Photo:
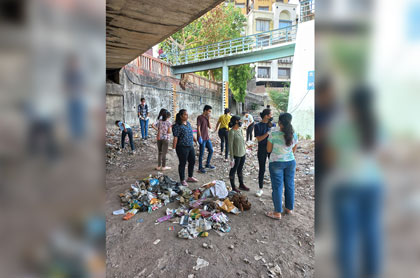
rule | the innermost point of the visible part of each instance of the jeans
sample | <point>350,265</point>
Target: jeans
<point>237,167</point>
<point>358,227</point>
<point>262,155</point>
<point>279,172</point>
<point>249,132</point>
<point>77,118</point>
<point>185,153</point>
<point>144,126</point>
<point>206,144</point>
<point>130,137</point>
<point>162,151</point>
<point>223,135</point>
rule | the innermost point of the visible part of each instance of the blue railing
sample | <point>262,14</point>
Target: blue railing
<point>232,47</point>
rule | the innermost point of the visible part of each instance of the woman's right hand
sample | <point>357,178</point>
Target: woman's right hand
<point>232,163</point>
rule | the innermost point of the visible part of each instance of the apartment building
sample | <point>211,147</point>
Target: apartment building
<point>275,73</point>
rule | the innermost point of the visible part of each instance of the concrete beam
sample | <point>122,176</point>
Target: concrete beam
<point>134,26</point>
<point>272,53</point>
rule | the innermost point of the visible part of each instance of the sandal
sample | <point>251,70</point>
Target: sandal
<point>271,215</point>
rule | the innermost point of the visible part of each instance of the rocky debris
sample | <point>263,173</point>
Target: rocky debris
<point>200,264</point>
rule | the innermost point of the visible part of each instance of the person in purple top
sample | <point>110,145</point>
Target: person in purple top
<point>203,126</point>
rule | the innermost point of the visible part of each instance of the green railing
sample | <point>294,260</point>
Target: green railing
<point>232,47</point>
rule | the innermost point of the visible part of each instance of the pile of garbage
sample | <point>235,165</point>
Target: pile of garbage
<point>149,194</point>
<point>200,210</point>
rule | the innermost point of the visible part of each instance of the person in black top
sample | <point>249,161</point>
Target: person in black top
<point>184,145</point>
<point>261,131</point>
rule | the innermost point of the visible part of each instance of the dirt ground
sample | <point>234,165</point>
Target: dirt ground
<point>288,243</point>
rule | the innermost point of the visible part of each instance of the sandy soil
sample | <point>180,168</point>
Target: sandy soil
<point>288,244</point>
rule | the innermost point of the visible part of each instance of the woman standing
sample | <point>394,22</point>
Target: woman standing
<point>223,122</point>
<point>237,153</point>
<point>163,127</point>
<point>282,145</point>
<point>184,146</point>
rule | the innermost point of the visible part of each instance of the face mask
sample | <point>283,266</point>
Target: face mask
<point>271,119</point>
<point>240,124</point>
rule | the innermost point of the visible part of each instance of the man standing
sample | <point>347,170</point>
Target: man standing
<point>203,125</point>
<point>125,129</point>
<point>249,124</point>
<point>143,114</point>
<point>262,130</point>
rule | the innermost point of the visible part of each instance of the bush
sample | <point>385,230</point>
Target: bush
<point>280,99</point>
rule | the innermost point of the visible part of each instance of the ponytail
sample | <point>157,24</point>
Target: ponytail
<point>285,120</point>
<point>178,116</point>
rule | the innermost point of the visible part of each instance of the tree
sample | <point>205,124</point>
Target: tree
<point>280,98</point>
<point>238,79</point>
<point>224,22</point>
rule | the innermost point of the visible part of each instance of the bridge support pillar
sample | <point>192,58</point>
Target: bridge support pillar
<point>225,94</point>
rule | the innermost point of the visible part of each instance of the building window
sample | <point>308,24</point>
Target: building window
<point>263,72</point>
<point>263,8</point>
<point>284,23</point>
<point>263,25</point>
<point>284,73</point>
<point>240,5</point>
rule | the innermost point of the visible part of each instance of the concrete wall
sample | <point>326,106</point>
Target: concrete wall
<point>157,90</point>
<point>301,100</point>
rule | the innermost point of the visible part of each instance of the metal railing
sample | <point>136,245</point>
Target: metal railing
<point>288,60</point>
<point>307,10</point>
<point>232,47</point>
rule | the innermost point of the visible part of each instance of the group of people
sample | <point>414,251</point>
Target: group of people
<point>277,143</point>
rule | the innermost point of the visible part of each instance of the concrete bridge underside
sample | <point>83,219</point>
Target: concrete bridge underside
<point>134,26</point>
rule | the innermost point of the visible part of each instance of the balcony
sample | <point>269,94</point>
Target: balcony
<point>286,61</point>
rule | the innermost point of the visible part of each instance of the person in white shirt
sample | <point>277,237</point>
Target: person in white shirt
<point>249,124</point>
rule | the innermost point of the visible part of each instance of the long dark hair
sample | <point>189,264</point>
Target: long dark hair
<point>264,113</point>
<point>234,120</point>
<point>285,119</point>
<point>166,115</point>
<point>161,113</point>
<point>361,104</point>
<point>178,119</point>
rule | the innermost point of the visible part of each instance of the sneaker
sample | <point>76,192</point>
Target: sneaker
<point>202,170</point>
<point>166,168</point>
<point>236,190</point>
<point>192,179</point>
<point>158,168</point>
<point>184,183</point>
<point>243,187</point>
<point>259,193</point>
<point>210,166</point>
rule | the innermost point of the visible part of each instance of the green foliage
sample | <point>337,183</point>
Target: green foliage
<point>280,99</point>
<point>238,79</point>
<point>308,137</point>
<point>219,24</point>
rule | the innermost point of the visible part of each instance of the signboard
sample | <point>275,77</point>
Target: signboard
<point>311,80</point>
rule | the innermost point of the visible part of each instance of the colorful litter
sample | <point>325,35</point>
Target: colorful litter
<point>201,210</point>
